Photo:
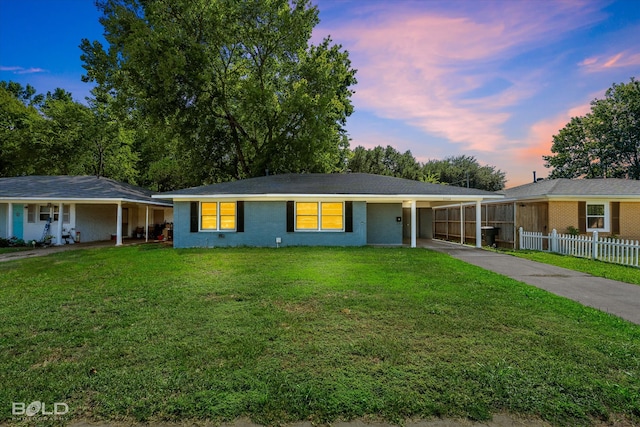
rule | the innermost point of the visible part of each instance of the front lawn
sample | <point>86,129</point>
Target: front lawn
<point>156,334</point>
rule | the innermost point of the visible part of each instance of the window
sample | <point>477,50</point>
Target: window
<point>227,215</point>
<point>307,216</point>
<point>313,216</point>
<point>31,214</point>
<point>331,216</point>
<point>597,216</point>
<point>45,212</point>
<point>218,216</point>
<point>209,216</point>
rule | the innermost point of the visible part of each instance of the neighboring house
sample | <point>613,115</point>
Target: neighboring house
<point>609,206</point>
<point>311,209</point>
<point>87,207</point>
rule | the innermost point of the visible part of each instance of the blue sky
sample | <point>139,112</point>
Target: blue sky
<point>491,79</point>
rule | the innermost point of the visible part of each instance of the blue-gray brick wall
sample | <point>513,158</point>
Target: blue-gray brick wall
<point>382,225</point>
<point>264,221</point>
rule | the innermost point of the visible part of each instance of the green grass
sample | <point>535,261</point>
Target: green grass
<point>607,270</point>
<point>14,249</point>
<point>320,334</point>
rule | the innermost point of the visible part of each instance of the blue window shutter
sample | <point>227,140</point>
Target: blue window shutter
<point>348,217</point>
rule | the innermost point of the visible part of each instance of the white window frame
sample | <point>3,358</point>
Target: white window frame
<point>319,229</point>
<point>48,213</point>
<point>218,229</point>
<point>607,216</point>
<point>31,213</point>
<point>54,212</point>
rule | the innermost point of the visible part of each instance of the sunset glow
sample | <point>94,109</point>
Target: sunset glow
<point>493,79</point>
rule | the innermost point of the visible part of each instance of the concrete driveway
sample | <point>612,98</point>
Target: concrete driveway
<point>621,299</point>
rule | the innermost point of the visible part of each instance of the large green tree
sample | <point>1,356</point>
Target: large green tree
<point>461,171</point>
<point>54,135</point>
<point>385,161</point>
<point>19,121</point>
<point>603,143</point>
<point>233,88</point>
<point>465,171</point>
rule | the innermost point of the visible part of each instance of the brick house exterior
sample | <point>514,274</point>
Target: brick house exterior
<point>352,209</point>
<point>609,206</point>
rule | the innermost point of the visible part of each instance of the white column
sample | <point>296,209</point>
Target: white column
<point>10,221</point>
<point>478,224</point>
<point>146,226</point>
<point>119,225</point>
<point>59,227</point>
<point>414,223</point>
<point>461,224</point>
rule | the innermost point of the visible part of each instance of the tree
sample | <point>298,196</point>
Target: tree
<point>18,121</point>
<point>385,161</point>
<point>234,85</point>
<point>603,143</point>
<point>465,171</point>
<point>461,171</point>
<point>109,143</point>
<point>54,135</point>
<point>61,135</point>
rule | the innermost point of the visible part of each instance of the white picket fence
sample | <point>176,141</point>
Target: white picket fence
<point>626,252</point>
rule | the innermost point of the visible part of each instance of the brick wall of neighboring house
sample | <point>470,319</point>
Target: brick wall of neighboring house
<point>563,215</point>
<point>630,220</point>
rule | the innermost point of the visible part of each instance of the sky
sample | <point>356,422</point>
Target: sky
<point>490,79</point>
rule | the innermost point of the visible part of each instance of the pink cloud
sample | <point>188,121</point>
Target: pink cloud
<point>525,156</point>
<point>541,133</point>
<point>618,60</point>
<point>419,66</point>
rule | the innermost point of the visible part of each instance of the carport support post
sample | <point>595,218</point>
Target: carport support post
<point>119,225</point>
<point>10,221</point>
<point>461,223</point>
<point>146,226</point>
<point>59,227</point>
<point>478,224</point>
<point>414,221</point>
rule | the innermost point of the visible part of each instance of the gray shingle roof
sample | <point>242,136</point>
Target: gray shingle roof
<point>73,187</point>
<point>328,184</point>
<point>601,187</point>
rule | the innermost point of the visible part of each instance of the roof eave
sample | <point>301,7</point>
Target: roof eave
<point>573,197</point>
<point>354,197</point>
<point>86,200</point>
